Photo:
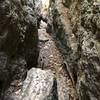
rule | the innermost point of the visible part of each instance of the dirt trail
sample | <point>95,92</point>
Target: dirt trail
<point>51,58</point>
<point>49,55</point>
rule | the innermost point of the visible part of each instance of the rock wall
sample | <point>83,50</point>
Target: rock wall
<point>18,39</point>
<point>77,25</point>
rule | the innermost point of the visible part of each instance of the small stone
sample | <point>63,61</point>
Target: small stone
<point>18,92</point>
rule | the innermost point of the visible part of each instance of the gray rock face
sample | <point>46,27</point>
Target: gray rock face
<point>62,89</point>
<point>67,3</point>
<point>78,27</point>
<point>41,85</point>
<point>38,85</point>
<point>18,38</point>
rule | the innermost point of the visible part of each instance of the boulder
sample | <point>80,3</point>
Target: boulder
<point>41,85</point>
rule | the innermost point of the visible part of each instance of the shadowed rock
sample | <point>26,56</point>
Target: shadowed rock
<point>18,39</point>
<point>77,25</point>
<point>41,85</point>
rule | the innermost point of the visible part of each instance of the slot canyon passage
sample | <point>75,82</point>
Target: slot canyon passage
<point>49,49</point>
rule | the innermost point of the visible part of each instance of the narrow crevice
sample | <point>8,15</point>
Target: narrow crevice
<point>55,90</point>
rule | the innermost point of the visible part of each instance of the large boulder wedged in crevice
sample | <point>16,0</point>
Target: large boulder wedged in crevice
<point>41,85</point>
<point>37,85</point>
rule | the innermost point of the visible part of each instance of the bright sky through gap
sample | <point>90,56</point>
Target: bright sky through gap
<point>45,3</point>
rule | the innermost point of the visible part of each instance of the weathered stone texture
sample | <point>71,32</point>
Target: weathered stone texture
<point>77,24</point>
<point>18,39</point>
<point>41,85</point>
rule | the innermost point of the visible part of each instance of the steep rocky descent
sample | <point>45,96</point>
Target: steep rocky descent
<point>50,81</point>
<point>18,40</point>
<point>77,25</point>
<point>77,69</point>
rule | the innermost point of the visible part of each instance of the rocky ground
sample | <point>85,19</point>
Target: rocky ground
<point>58,61</point>
<point>49,55</point>
<point>51,58</point>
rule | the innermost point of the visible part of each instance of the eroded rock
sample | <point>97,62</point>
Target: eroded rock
<point>42,85</point>
<point>18,39</point>
<point>38,85</point>
<point>77,27</point>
